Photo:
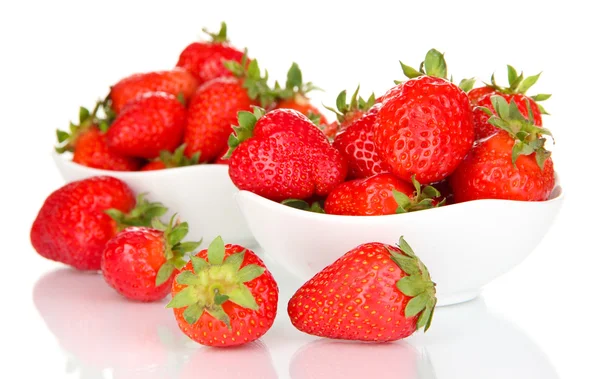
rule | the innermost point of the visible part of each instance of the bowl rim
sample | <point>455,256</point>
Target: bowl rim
<point>66,160</point>
<point>450,207</point>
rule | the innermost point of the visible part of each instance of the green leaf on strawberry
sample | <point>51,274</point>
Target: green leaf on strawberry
<point>421,199</point>
<point>345,111</point>
<point>244,129</point>
<point>315,206</point>
<point>528,136</point>
<point>221,36</point>
<point>417,284</point>
<point>226,281</point>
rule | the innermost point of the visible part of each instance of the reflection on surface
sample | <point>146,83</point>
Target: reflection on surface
<point>248,361</point>
<point>102,332</point>
<point>466,341</point>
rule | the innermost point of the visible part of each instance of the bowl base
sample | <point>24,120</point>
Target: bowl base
<point>457,298</point>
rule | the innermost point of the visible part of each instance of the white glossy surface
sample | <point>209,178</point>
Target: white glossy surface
<point>202,195</point>
<point>464,246</point>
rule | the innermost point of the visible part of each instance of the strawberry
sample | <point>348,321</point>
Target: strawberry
<point>147,125</point>
<point>374,292</point>
<point>425,125</point>
<point>283,155</point>
<point>166,159</point>
<point>518,86</point>
<point>141,262</point>
<point>177,82</point>
<point>357,146</point>
<point>224,296</point>
<point>381,194</point>
<point>205,60</point>
<point>75,221</point>
<point>293,96</point>
<point>348,113</point>
<point>512,164</point>
<point>87,142</point>
<point>213,108</point>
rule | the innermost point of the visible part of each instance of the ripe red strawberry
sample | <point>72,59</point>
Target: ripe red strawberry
<point>518,86</point>
<point>283,155</point>
<point>74,224</point>
<point>166,159</point>
<point>205,59</point>
<point>224,296</point>
<point>357,146</point>
<point>512,164</point>
<point>175,82</point>
<point>88,143</point>
<point>148,125</point>
<point>213,108</point>
<point>293,96</point>
<point>381,194</point>
<point>141,262</point>
<point>425,125</point>
<point>374,292</point>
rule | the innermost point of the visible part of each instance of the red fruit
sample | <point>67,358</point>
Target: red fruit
<point>87,141</point>
<point>174,82</point>
<point>205,60</point>
<point>348,113</point>
<point>167,159</point>
<point>283,155</point>
<point>425,125</point>
<point>211,113</point>
<point>224,296</point>
<point>293,96</point>
<point>73,227</point>
<point>152,123</point>
<point>512,164</point>
<point>476,94</point>
<point>357,146</point>
<point>92,150</point>
<point>222,157</point>
<point>374,292</point>
<point>518,86</point>
<point>381,194</point>
<point>140,262</point>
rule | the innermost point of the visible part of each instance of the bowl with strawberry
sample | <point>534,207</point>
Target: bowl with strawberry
<point>462,173</point>
<point>165,133</point>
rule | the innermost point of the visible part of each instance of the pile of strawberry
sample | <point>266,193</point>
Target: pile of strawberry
<point>461,143</point>
<point>179,117</point>
<point>225,295</point>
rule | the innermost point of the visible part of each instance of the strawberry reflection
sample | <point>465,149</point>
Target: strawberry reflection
<point>465,341</point>
<point>338,359</point>
<point>101,331</point>
<point>247,361</point>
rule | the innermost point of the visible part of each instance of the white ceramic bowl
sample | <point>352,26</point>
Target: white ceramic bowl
<point>465,246</point>
<point>202,195</point>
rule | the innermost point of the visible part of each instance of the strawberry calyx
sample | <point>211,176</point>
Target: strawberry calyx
<point>357,106</point>
<point>253,81</point>
<point>295,88</point>
<point>87,120</point>
<point>433,65</point>
<point>175,250</point>
<point>215,281</point>
<point>416,284</point>
<point>519,84</point>
<point>528,137</point>
<point>221,36</point>
<point>141,215</point>
<point>315,206</point>
<point>244,129</point>
<point>425,198</point>
<point>178,158</point>
<point>467,84</point>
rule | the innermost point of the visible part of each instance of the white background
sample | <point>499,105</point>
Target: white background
<point>55,56</point>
